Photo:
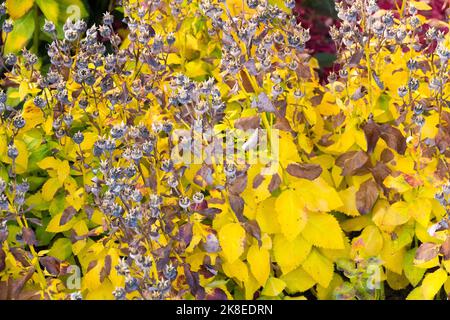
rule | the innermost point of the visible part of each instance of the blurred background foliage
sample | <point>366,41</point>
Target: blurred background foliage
<point>30,15</point>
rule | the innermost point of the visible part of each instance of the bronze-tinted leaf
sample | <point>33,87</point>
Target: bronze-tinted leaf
<point>239,184</point>
<point>353,163</point>
<point>275,182</point>
<point>21,256</point>
<point>237,205</point>
<point>185,233</point>
<point>28,236</point>
<point>366,196</point>
<point>380,172</point>
<point>445,249</point>
<point>67,215</point>
<point>386,155</point>
<point>216,294</point>
<point>372,133</point>
<point>246,83</point>
<point>393,138</point>
<point>247,123</point>
<point>210,212</point>
<point>192,279</point>
<point>308,171</point>
<point>106,268</point>
<point>257,180</point>
<point>359,93</point>
<point>2,259</point>
<point>253,228</point>
<point>51,264</point>
<point>426,252</point>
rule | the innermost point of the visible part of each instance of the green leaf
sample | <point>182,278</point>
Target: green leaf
<point>21,34</point>
<point>61,249</point>
<point>50,9</point>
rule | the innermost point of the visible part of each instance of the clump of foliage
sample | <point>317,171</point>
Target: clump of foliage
<point>354,203</point>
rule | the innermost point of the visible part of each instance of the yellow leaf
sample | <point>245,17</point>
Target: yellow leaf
<point>396,281</point>
<point>298,281</point>
<point>422,6</point>
<point>91,279</point>
<point>48,163</point>
<point>317,194</point>
<point>349,200</point>
<point>266,216</point>
<point>231,239</point>
<point>237,269</point>
<point>22,158</point>
<point>33,116</point>
<point>49,188</point>
<point>319,268</point>
<point>55,227</point>
<point>17,8</point>
<point>259,261</point>
<point>63,170</point>
<point>290,214</point>
<point>396,214</point>
<point>273,287</point>
<point>370,242</point>
<point>50,9</point>
<point>420,209</point>
<point>290,254</point>
<point>432,283</point>
<point>323,230</point>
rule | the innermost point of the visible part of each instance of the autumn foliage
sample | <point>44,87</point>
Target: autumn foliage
<point>349,201</point>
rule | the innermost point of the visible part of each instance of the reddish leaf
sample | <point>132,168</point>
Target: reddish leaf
<point>259,178</point>
<point>247,123</point>
<point>239,184</point>
<point>304,170</point>
<point>366,196</point>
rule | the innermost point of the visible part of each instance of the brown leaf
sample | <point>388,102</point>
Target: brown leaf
<point>192,279</point>
<point>372,133</point>
<point>106,268</point>
<point>239,184</point>
<point>67,214</point>
<point>20,255</point>
<point>427,251</point>
<point>216,294</point>
<point>2,259</point>
<point>51,264</point>
<point>257,180</point>
<point>308,171</point>
<point>353,163</point>
<point>237,205</point>
<point>380,172</point>
<point>366,196</point>
<point>185,233</point>
<point>28,236</point>
<point>393,138</point>
<point>246,83</point>
<point>445,249</point>
<point>275,182</point>
<point>253,228</point>
<point>386,155</point>
<point>16,286</point>
<point>247,123</point>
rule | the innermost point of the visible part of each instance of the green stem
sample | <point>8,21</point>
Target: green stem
<point>36,29</point>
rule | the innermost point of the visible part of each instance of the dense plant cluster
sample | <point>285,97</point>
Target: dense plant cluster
<point>114,183</point>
